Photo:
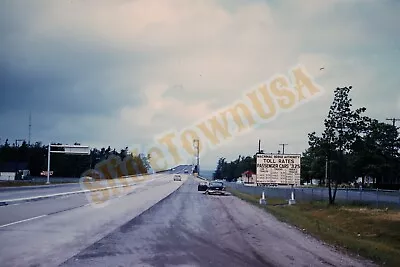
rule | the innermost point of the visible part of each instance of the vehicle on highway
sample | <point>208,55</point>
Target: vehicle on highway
<point>177,177</point>
<point>88,179</point>
<point>186,171</point>
<point>202,186</point>
<point>216,188</point>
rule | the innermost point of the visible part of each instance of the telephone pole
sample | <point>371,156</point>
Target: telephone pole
<point>283,148</point>
<point>393,120</point>
<point>196,145</point>
<point>30,127</point>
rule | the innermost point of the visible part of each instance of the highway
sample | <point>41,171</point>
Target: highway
<point>33,191</point>
<point>158,222</point>
<point>7,193</point>
<point>49,231</point>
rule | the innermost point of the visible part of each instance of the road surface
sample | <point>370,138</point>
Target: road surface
<point>49,231</point>
<point>8,193</point>
<point>185,228</point>
<point>192,229</point>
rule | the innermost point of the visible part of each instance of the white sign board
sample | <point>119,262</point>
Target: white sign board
<point>278,169</point>
<point>83,150</point>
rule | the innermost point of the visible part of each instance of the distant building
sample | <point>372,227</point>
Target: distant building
<point>367,180</point>
<point>9,170</point>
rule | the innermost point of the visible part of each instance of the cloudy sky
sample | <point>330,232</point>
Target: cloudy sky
<point>120,72</point>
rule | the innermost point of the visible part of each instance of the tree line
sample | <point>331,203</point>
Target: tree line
<point>64,165</point>
<point>351,145</point>
<point>234,169</point>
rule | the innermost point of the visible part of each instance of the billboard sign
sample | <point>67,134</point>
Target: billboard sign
<point>278,169</point>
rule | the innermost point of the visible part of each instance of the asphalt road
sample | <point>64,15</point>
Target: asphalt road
<point>48,232</point>
<point>189,228</point>
<point>34,191</point>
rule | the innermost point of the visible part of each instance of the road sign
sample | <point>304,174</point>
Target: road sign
<point>68,149</point>
<point>281,169</point>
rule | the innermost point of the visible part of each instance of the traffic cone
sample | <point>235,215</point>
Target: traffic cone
<point>263,201</point>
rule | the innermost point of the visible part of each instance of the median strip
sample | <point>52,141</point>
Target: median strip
<point>28,199</point>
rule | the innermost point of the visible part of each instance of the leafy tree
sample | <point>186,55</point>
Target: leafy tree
<point>343,126</point>
<point>231,170</point>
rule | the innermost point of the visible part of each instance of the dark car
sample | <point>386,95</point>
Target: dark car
<point>216,188</point>
<point>202,186</point>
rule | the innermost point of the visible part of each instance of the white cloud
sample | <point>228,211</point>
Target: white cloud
<point>214,54</point>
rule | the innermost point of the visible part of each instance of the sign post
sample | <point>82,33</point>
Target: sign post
<point>278,169</point>
<point>68,149</point>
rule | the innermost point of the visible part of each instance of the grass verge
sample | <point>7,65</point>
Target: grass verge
<point>371,233</point>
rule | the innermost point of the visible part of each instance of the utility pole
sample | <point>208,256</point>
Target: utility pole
<point>393,120</point>
<point>30,127</point>
<point>283,148</point>
<point>326,170</point>
<point>196,145</point>
<point>18,156</point>
<point>259,146</point>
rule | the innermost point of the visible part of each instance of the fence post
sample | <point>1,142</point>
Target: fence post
<point>377,198</point>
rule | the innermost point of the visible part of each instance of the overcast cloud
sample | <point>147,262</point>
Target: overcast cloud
<point>121,72</point>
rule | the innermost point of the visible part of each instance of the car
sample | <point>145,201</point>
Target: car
<point>202,186</point>
<point>177,177</point>
<point>186,171</point>
<point>216,188</point>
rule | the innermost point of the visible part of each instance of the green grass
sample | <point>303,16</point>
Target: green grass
<point>371,233</point>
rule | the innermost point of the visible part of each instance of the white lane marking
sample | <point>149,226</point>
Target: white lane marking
<point>13,204</point>
<point>30,219</point>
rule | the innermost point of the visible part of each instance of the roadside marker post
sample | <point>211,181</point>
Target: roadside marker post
<point>292,201</point>
<point>263,201</point>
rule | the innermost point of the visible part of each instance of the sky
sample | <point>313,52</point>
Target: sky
<point>124,72</point>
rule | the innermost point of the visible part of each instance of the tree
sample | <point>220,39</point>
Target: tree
<point>343,126</point>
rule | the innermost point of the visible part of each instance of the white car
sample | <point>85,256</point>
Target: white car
<point>177,177</point>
